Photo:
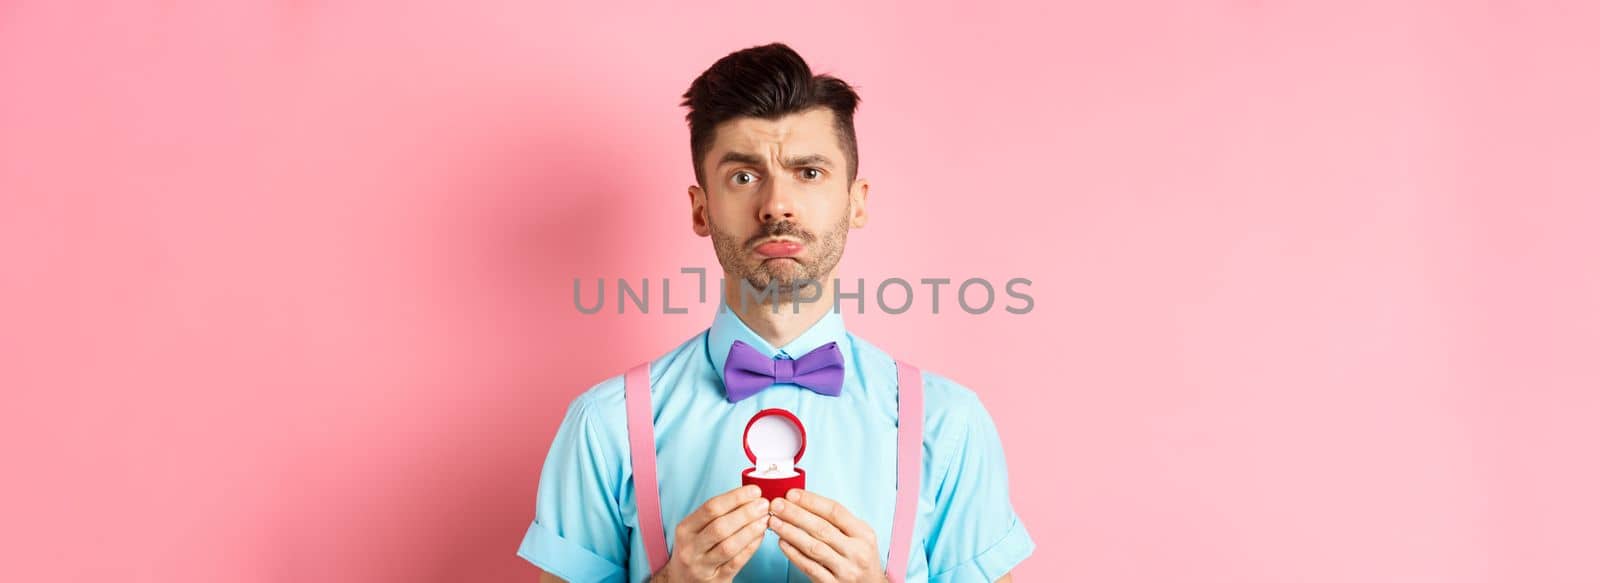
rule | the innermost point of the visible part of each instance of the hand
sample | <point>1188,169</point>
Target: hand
<point>826,541</point>
<point>716,540</point>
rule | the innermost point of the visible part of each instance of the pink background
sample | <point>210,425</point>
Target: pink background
<point>287,286</point>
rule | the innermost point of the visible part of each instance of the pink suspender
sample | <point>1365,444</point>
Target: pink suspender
<point>910,468</point>
<point>642,443</point>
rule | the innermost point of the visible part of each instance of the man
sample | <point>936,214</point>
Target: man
<point>775,160</point>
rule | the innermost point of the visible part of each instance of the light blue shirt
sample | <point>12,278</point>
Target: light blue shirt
<point>586,525</point>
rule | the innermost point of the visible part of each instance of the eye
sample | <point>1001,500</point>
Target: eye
<point>810,174</point>
<point>743,178</point>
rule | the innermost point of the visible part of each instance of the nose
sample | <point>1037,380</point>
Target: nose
<point>779,204</point>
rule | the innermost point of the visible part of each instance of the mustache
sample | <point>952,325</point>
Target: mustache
<point>781,229</point>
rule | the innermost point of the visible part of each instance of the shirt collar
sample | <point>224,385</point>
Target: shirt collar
<point>727,327</point>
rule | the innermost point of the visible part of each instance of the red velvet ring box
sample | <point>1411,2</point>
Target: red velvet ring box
<point>774,440</point>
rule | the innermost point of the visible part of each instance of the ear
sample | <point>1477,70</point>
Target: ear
<point>858,203</point>
<point>698,210</point>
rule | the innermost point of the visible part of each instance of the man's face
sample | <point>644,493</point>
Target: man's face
<point>777,202</point>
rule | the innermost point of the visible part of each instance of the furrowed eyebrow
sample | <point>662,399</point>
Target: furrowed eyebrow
<point>739,158</point>
<point>809,160</point>
<point>795,162</point>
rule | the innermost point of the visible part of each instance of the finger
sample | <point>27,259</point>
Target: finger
<point>833,512</point>
<point>812,524</point>
<point>729,548</point>
<point>810,546</point>
<point>717,506</point>
<point>814,570</point>
<point>730,525</point>
<point>734,565</point>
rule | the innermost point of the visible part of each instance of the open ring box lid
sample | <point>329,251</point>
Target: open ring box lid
<point>774,440</point>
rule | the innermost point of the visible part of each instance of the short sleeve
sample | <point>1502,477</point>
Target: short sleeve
<point>578,532</point>
<point>975,535</point>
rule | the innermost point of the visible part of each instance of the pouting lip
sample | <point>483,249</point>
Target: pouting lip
<point>790,254</point>
<point>777,240</point>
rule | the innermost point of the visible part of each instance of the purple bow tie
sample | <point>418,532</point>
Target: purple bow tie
<point>748,371</point>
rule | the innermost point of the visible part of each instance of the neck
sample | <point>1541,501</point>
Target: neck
<point>782,325</point>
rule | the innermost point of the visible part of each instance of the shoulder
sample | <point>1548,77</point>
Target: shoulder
<point>950,408</point>
<point>597,417</point>
<point>959,434</point>
<point>601,410</point>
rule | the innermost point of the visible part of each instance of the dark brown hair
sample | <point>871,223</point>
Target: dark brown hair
<point>768,82</point>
